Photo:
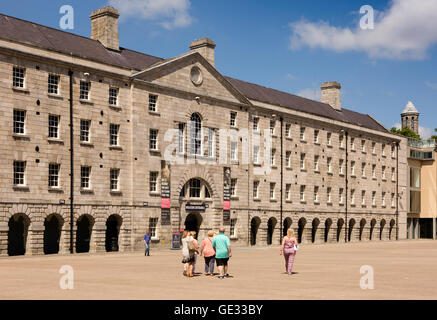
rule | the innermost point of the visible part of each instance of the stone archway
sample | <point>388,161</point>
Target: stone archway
<point>392,225</point>
<point>17,234</point>
<point>255,222</point>
<point>271,224</point>
<point>362,226</point>
<point>83,233</point>
<point>301,230</point>
<point>372,228</point>
<point>351,230</point>
<point>314,229</point>
<point>112,234</point>
<point>381,229</point>
<point>340,232</point>
<point>193,222</point>
<point>328,224</point>
<point>52,233</point>
<point>287,225</point>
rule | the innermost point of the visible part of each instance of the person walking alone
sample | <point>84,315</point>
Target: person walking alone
<point>147,239</point>
<point>222,247</point>
<point>208,253</point>
<point>188,250</point>
<point>289,242</point>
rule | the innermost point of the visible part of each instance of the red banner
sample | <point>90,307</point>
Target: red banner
<point>165,203</point>
<point>227,205</point>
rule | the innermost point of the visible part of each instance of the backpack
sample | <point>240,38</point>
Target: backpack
<point>190,245</point>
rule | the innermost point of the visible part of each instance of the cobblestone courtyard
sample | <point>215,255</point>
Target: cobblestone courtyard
<point>402,270</point>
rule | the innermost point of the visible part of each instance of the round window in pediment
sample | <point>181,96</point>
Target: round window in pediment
<point>196,76</point>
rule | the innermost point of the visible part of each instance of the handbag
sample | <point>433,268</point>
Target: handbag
<point>190,245</point>
<point>296,247</point>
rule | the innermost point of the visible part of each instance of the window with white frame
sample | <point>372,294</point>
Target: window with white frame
<point>393,151</point>
<point>302,193</point>
<point>302,161</point>
<point>85,88</point>
<point>288,159</point>
<point>288,192</point>
<point>53,84</point>
<point>54,126</point>
<point>114,179</point>
<point>153,181</point>
<point>233,119</point>
<point>181,135</point>
<point>153,139</point>
<point>316,163</point>
<point>352,196</point>
<point>272,157</point>
<point>195,188</point>
<point>383,149</point>
<point>383,199</point>
<point>54,175</point>
<point>329,195</point>
<point>234,151</point>
<point>233,232</point>
<point>19,173</point>
<point>153,103</point>
<point>256,124</point>
<point>113,134</point>
<point>363,197</point>
<point>374,171</point>
<point>19,121</point>
<point>393,174</point>
<point>272,127</point>
<point>302,133</point>
<point>392,200</point>
<point>340,196</point>
<point>329,164</point>
<point>255,189</point>
<point>316,136</point>
<point>383,173</point>
<point>18,77</point>
<point>340,165</point>
<point>373,198</point>
<point>113,96</point>
<point>153,224</point>
<point>329,138</point>
<point>256,154</point>
<point>85,174</point>
<point>211,143</point>
<point>352,168</point>
<point>363,145</point>
<point>85,130</point>
<point>233,187</point>
<point>316,194</point>
<point>195,135</point>
<point>272,190</point>
<point>363,169</point>
<point>341,141</point>
<point>287,130</point>
<point>374,147</point>
<point>352,144</point>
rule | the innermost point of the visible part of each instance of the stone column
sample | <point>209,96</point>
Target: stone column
<point>98,237</point>
<point>4,228</point>
<point>124,239</point>
<point>434,235</point>
<point>35,239</point>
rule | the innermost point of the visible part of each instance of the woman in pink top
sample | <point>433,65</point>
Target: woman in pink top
<point>208,253</point>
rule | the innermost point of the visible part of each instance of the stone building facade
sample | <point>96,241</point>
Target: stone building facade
<point>140,122</point>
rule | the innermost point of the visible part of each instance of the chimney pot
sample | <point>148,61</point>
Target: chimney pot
<point>331,94</point>
<point>205,47</point>
<point>104,27</point>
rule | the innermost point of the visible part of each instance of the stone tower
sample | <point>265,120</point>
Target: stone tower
<point>104,27</point>
<point>331,94</point>
<point>410,117</point>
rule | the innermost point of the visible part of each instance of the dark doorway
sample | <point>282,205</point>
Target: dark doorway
<point>362,225</point>
<point>17,234</point>
<point>340,224</point>
<point>372,228</point>
<point>254,226</point>
<point>392,225</point>
<point>270,230</point>
<point>83,234</point>
<point>52,234</point>
<point>328,224</point>
<point>300,232</point>
<point>425,228</point>
<point>192,223</point>
<point>315,226</point>
<point>287,225</point>
<point>351,229</point>
<point>113,225</point>
<point>381,229</point>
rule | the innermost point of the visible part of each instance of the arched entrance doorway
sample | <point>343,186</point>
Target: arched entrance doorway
<point>340,224</point>
<point>315,226</point>
<point>254,226</point>
<point>351,230</point>
<point>17,234</point>
<point>271,230</point>
<point>372,228</point>
<point>301,228</point>
<point>328,224</point>
<point>83,233</point>
<point>287,225</point>
<point>381,229</point>
<point>52,234</point>
<point>113,224</point>
<point>193,222</point>
<point>362,225</point>
<point>392,224</point>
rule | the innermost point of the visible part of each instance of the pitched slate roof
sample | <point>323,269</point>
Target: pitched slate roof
<point>60,41</point>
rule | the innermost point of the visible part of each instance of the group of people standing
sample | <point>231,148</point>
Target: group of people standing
<point>215,248</point>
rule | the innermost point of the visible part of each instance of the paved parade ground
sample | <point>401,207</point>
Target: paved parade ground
<point>402,270</point>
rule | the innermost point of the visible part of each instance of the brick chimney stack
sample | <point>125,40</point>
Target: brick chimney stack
<point>205,47</point>
<point>331,94</point>
<point>104,27</point>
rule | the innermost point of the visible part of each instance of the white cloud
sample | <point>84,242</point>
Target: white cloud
<point>424,133</point>
<point>313,94</point>
<point>290,76</point>
<point>432,85</point>
<point>168,13</point>
<point>406,30</point>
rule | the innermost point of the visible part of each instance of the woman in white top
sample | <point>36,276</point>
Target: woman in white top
<point>187,254</point>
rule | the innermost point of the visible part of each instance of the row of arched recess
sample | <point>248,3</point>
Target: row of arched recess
<point>53,226</point>
<point>329,232</point>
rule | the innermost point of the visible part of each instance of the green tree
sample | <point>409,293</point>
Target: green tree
<point>407,132</point>
<point>434,136</point>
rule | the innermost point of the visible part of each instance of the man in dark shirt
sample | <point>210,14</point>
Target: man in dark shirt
<point>147,238</point>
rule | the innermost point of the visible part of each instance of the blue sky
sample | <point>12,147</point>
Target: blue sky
<point>292,46</point>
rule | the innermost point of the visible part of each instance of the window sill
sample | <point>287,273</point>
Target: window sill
<point>115,148</point>
<point>154,113</point>
<point>256,132</point>
<point>274,167</point>
<point>303,141</point>
<point>363,206</point>
<point>316,171</point>
<point>257,165</point>
<point>17,136</point>
<point>234,128</point>
<point>22,90</point>
<point>87,191</point>
<point>342,148</point>
<point>317,203</point>
<point>363,177</point>
<point>154,194</point>
<point>154,239</point>
<point>341,204</point>
<point>233,237</point>
<point>289,138</point>
<point>330,173</point>
<point>364,152</point>
<point>86,144</point>
<point>341,174</point>
<point>288,168</point>
<point>373,206</point>
<point>303,201</point>
<point>329,146</point>
<point>374,179</point>
<point>55,96</point>
<point>155,152</point>
<point>317,143</point>
<point>55,140</point>
<point>21,188</point>
<point>257,199</point>
<point>353,150</point>
<point>89,102</point>
<point>115,193</point>
<point>353,176</point>
<point>383,179</point>
<point>303,170</point>
<point>384,207</point>
<point>233,162</point>
<point>329,204</point>
<point>273,200</point>
<point>235,198</point>
<point>288,201</point>
<point>114,107</point>
<point>55,190</point>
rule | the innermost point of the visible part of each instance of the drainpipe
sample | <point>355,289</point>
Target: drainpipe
<point>346,187</point>
<point>70,73</point>
<point>282,177</point>
<point>397,190</point>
